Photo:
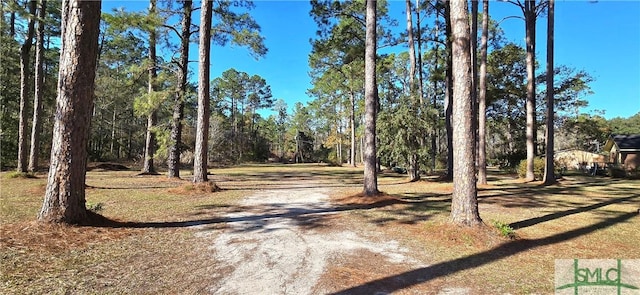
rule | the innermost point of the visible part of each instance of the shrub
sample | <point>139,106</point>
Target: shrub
<point>538,168</point>
<point>504,229</point>
<point>95,207</point>
<point>617,171</point>
<point>15,174</point>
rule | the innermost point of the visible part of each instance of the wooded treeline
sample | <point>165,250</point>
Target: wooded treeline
<point>442,88</point>
<point>412,91</point>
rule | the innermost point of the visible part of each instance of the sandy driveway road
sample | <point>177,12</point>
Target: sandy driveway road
<point>283,241</point>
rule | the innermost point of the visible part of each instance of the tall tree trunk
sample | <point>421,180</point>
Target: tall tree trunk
<point>152,118</point>
<point>12,23</point>
<point>449,93</point>
<point>64,199</point>
<point>434,134</point>
<point>482,96</point>
<point>178,108</point>
<point>361,149</point>
<point>474,75</point>
<point>414,170</point>
<point>371,103</point>
<point>549,175</point>
<point>25,54</point>
<point>36,124</point>
<point>464,202</point>
<point>201,160</point>
<point>412,50</point>
<point>530,36</point>
<point>112,147</point>
<point>418,53</point>
<point>352,123</point>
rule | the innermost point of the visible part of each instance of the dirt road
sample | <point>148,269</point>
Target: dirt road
<point>283,241</point>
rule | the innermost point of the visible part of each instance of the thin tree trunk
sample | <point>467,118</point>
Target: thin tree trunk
<point>64,199</point>
<point>418,54</point>
<point>549,175</point>
<point>434,134</point>
<point>25,54</point>
<point>352,123</point>
<point>361,149</point>
<point>201,160</point>
<point>482,96</point>
<point>412,50</point>
<point>449,94</point>
<point>413,171</point>
<point>36,124</point>
<point>474,75</point>
<point>112,147</point>
<point>530,35</point>
<point>464,203</point>
<point>152,118</point>
<point>12,23</point>
<point>178,108</point>
<point>371,103</point>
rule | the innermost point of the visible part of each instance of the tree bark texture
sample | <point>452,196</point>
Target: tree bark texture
<point>474,74</point>
<point>464,203</point>
<point>36,123</point>
<point>412,50</point>
<point>414,169</point>
<point>201,160</point>
<point>530,36</point>
<point>434,132</point>
<point>449,92</point>
<point>352,123</point>
<point>178,108</point>
<point>65,192</point>
<point>371,103</point>
<point>549,174</point>
<point>482,96</point>
<point>152,118</point>
<point>25,57</point>
<point>418,54</point>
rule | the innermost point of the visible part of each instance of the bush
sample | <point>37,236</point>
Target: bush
<point>634,174</point>
<point>505,229</point>
<point>617,171</point>
<point>95,207</point>
<point>15,174</point>
<point>511,160</point>
<point>538,168</point>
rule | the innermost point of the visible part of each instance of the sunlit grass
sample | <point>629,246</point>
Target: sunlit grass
<point>40,258</point>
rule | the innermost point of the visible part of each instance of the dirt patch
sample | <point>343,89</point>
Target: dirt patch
<point>285,242</point>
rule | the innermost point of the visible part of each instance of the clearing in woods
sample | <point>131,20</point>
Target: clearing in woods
<point>300,229</point>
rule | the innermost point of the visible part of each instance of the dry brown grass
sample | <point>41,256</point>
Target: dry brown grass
<point>136,249</point>
<point>580,217</point>
<point>146,247</point>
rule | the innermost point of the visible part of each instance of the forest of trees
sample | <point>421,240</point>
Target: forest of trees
<point>394,110</point>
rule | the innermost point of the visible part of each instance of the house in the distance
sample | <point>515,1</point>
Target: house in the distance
<point>624,150</point>
<point>575,159</point>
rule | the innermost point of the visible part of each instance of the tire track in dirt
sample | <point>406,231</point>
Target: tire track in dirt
<point>282,243</point>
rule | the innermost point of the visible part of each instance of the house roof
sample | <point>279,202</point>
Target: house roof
<point>627,142</point>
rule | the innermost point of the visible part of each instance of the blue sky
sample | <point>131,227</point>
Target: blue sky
<point>602,38</point>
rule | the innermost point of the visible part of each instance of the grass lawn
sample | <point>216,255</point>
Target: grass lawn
<point>154,252</point>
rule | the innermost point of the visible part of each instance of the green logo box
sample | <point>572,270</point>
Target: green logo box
<point>597,276</point>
